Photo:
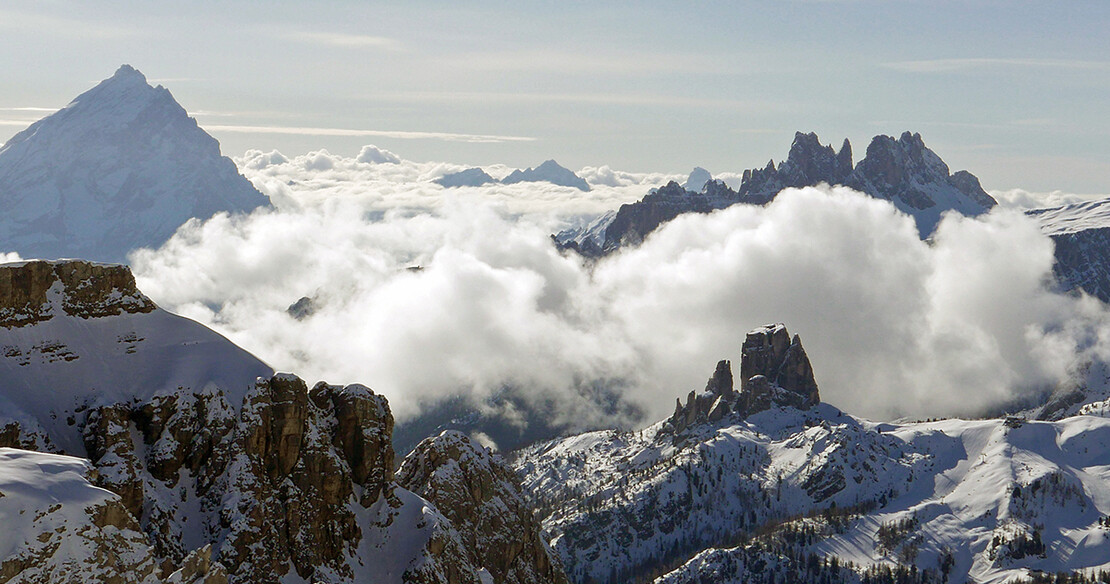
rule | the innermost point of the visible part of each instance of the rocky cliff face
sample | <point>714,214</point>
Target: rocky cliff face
<point>1081,232</point>
<point>85,290</point>
<point>917,181</point>
<point>634,221</point>
<point>481,497</point>
<point>204,479</point>
<point>774,372</point>
<point>903,171</point>
<point>807,164</point>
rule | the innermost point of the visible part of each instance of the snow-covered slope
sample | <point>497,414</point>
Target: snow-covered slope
<point>202,462</point>
<point>58,527</point>
<point>121,167</point>
<point>751,497</point>
<point>1081,232</point>
<point>75,334</point>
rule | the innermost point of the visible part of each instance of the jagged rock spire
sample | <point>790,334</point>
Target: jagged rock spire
<point>774,371</point>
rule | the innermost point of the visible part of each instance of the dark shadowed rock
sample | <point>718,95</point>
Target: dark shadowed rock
<point>903,171</point>
<point>471,177</point>
<point>774,371</point>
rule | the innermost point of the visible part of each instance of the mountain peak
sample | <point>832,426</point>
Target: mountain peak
<point>774,371</point>
<point>550,171</point>
<point>119,168</point>
<point>127,72</point>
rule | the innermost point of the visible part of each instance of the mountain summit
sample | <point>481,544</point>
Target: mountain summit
<point>549,171</point>
<point>121,167</point>
<point>903,171</point>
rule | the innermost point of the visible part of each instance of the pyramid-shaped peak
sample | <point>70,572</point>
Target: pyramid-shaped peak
<point>120,167</point>
<point>128,73</point>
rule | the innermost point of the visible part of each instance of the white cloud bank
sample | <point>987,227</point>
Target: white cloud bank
<point>894,326</point>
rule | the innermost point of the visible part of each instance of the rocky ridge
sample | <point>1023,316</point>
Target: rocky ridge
<point>903,171</point>
<point>550,171</point>
<point>480,495</point>
<point>812,495</point>
<point>272,482</point>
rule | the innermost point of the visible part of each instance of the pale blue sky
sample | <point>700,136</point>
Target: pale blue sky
<point>1016,92</point>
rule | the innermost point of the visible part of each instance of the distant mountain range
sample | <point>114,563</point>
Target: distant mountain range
<point>119,168</point>
<point>903,171</point>
<point>549,171</point>
<point>140,447</point>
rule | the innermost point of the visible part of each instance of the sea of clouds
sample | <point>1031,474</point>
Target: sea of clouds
<point>423,292</point>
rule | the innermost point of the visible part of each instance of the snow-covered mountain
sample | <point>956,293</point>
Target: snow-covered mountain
<point>75,334</point>
<point>766,484</point>
<point>1081,232</point>
<point>549,171</point>
<point>903,171</point>
<point>190,460</point>
<point>121,167</point>
<point>471,177</point>
<point>697,179</point>
<point>633,221</point>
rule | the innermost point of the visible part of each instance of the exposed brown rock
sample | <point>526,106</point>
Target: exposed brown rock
<point>364,428</point>
<point>774,370</point>
<point>770,351</point>
<point>87,290</point>
<point>482,499</point>
<point>107,434</point>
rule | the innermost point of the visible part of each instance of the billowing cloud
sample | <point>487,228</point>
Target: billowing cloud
<point>1023,199</point>
<point>6,257</point>
<point>423,292</point>
<point>374,155</point>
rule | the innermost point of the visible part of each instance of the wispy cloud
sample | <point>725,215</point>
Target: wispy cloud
<point>41,24</point>
<point>20,123</point>
<point>29,109</point>
<point>571,62</point>
<point>446,136</point>
<point>950,65</point>
<point>583,98</point>
<point>343,40</point>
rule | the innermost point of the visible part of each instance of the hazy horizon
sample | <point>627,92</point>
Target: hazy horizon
<point>1013,92</point>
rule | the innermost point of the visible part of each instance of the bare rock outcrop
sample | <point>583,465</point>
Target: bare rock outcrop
<point>901,170</point>
<point>774,371</point>
<point>80,288</point>
<point>205,467</point>
<point>481,497</point>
